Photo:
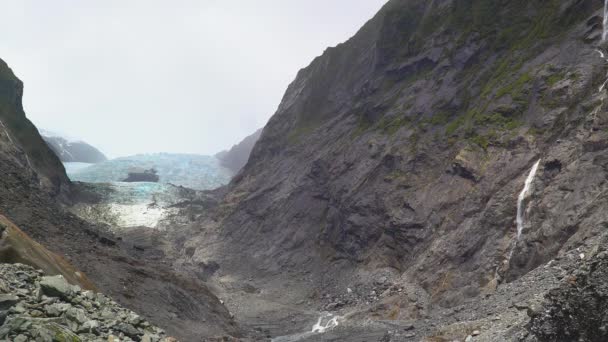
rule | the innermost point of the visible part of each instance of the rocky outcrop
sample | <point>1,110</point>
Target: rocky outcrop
<point>73,151</point>
<point>235,158</point>
<point>150,175</point>
<point>34,307</point>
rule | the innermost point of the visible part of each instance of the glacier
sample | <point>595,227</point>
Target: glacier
<point>123,205</point>
<point>192,171</point>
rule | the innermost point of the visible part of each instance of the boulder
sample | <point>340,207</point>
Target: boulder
<point>56,286</point>
<point>7,301</point>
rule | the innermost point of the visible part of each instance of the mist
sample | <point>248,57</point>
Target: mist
<point>158,76</point>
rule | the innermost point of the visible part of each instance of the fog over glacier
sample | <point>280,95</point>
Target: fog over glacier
<point>166,76</point>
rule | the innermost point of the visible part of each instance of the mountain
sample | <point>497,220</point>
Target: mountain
<point>235,158</point>
<point>440,176</point>
<point>72,150</point>
<point>35,195</point>
<point>406,160</point>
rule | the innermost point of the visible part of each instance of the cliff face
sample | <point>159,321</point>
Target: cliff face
<point>407,147</point>
<point>21,141</point>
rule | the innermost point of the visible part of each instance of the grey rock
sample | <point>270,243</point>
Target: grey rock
<point>128,330</point>
<point>21,338</point>
<point>55,286</point>
<point>76,315</point>
<point>91,326</point>
<point>7,301</point>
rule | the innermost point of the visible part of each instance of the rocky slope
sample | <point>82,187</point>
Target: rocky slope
<point>47,308</point>
<point>72,150</point>
<point>400,155</point>
<point>18,247</point>
<point>236,157</point>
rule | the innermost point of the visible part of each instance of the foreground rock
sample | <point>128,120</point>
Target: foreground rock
<point>34,307</point>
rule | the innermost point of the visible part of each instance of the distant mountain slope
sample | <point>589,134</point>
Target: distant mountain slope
<point>235,158</point>
<point>188,170</point>
<point>72,151</point>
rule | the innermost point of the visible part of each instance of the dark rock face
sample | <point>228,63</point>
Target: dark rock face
<point>235,158</point>
<point>21,141</point>
<point>143,176</point>
<point>74,151</point>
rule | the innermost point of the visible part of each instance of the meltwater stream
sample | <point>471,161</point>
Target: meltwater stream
<point>326,322</point>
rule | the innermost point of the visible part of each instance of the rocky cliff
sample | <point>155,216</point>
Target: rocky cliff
<point>400,155</point>
<point>21,142</point>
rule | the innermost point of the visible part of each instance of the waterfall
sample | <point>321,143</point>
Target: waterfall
<point>522,196</point>
<point>605,32</point>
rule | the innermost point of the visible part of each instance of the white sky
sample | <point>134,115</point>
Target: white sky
<point>135,76</point>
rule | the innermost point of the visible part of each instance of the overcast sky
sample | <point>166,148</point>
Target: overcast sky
<point>166,76</point>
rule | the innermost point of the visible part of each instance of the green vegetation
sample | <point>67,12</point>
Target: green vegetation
<point>480,140</point>
<point>515,89</point>
<point>390,126</point>
<point>439,118</point>
<point>554,78</point>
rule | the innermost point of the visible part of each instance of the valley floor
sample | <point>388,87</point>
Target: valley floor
<point>285,304</point>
